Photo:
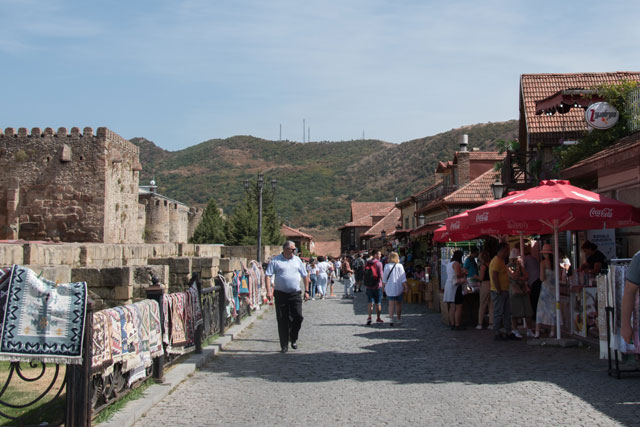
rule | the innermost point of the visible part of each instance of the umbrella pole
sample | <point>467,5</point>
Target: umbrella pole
<point>556,272</point>
<point>521,244</point>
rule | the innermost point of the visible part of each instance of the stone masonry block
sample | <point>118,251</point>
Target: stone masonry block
<point>123,292</point>
<point>208,250</point>
<point>176,265</point>
<point>186,249</point>
<point>104,277</point>
<point>55,273</point>
<point>11,254</point>
<point>230,264</point>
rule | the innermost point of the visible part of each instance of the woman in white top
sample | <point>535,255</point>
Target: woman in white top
<point>394,281</point>
<point>452,290</point>
<point>322,276</point>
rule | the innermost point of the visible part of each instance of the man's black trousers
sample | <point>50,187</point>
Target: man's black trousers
<point>289,315</point>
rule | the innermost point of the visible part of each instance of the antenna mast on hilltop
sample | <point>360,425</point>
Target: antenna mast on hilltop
<point>280,138</point>
<point>363,135</point>
<point>304,128</point>
<point>309,134</point>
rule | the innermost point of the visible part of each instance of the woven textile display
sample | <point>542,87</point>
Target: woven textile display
<point>42,320</point>
<point>129,334</point>
<point>182,315</point>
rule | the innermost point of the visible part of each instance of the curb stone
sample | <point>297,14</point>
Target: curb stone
<point>136,409</point>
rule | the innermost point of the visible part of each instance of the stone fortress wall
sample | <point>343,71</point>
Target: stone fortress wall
<point>82,187</point>
<point>119,274</point>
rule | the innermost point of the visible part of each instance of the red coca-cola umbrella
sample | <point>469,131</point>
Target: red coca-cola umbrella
<point>554,206</point>
<point>443,235</point>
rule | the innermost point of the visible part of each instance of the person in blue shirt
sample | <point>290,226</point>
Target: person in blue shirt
<point>471,265</point>
<point>289,270</point>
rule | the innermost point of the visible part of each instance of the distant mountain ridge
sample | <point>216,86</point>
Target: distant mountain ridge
<point>316,180</point>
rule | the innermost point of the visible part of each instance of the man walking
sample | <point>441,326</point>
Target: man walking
<point>288,270</point>
<point>373,283</point>
<point>358,270</point>
<point>500,294</point>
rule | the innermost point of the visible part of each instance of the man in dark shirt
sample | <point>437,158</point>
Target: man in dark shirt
<point>596,261</point>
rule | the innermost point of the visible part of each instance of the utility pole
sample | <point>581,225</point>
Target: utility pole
<point>259,187</point>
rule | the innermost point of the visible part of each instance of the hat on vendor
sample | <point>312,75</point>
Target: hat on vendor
<point>515,253</point>
<point>546,249</point>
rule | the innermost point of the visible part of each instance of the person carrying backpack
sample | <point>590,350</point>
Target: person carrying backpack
<point>358,269</point>
<point>373,282</point>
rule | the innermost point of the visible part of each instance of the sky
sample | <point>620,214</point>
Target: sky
<point>182,72</point>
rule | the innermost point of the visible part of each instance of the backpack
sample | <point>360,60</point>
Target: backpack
<point>371,278</point>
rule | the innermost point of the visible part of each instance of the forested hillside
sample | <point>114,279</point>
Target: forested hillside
<point>316,180</point>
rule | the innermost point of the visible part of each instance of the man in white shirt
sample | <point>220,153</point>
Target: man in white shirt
<point>288,269</point>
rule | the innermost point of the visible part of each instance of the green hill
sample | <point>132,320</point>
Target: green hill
<point>316,180</point>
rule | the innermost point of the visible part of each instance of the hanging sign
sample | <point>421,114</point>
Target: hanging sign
<point>601,115</point>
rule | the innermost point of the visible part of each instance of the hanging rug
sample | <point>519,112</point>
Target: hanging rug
<point>42,320</point>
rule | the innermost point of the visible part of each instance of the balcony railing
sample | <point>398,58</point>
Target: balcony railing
<point>518,169</point>
<point>436,192</point>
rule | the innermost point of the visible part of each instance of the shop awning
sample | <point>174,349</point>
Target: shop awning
<point>426,228</point>
<point>564,100</point>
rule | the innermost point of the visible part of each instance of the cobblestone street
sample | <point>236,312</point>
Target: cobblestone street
<point>419,373</point>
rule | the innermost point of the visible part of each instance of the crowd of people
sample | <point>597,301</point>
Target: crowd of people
<point>512,288</point>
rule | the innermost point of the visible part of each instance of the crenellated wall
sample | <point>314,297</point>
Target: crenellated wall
<point>68,186</point>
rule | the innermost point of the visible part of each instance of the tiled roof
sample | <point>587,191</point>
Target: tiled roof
<point>330,248</point>
<point>388,223</point>
<point>550,129</point>
<point>365,221</point>
<point>477,192</point>
<point>292,232</point>
<point>360,209</point>
<point>627,149</point>
<point>493,156</point>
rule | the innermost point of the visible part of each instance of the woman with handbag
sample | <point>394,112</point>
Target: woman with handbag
<point>456,277</point>
<point>519,294</point>
<point>394,282</point>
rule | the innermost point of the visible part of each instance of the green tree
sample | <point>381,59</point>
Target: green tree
<point>243,224</point>
<point>212,227</point>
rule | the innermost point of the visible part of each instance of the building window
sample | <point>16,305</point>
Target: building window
<point>455,177</point>
<point>406,223</point>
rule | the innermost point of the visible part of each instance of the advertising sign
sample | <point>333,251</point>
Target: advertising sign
<point>601,115</point>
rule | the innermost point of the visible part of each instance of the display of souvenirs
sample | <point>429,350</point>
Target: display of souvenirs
<point>130,335</point>
<point>615,291</point>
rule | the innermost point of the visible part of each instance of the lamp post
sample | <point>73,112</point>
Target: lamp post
<point>498,189</point>
<point>259,187</point>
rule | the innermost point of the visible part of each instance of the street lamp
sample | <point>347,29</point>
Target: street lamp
<point>259,187</point>
<point>498,189</point>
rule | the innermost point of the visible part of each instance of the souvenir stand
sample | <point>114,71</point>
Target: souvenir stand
<point>617,349</point>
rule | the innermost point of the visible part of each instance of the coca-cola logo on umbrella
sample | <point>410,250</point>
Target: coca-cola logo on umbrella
<point>601,213</point>
<point>483,217</point>
<point>455,225</point>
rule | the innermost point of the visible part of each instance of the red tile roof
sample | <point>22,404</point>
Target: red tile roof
<point>493,156</point>
<point>362,213</point>
<point>292,232</point>
<point>550,129</point>
<point>388,224</point>
<point>330,248</point>
<point>475,192</point>
<point>627,150</point>
<point>360,209</point>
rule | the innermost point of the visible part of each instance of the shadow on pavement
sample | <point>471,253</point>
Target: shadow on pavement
<point>424,351</point>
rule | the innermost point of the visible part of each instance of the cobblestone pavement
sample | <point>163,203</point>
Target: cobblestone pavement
<point>419,373</point>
